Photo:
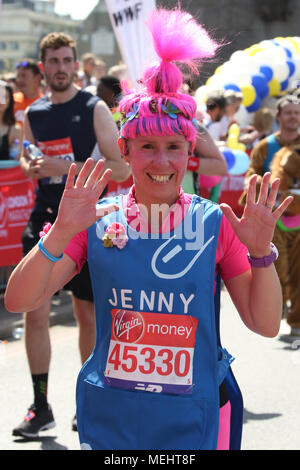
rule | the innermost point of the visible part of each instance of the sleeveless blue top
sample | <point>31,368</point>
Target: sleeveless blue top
<point>152,381</point>
<point>273,147</point>
<point>64,130</point>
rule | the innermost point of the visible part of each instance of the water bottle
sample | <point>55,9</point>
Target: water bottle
<point>14,149</point>
<point>33,151</point>
<point>18,332</point>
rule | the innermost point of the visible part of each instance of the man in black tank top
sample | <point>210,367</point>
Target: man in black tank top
<point>66,124</point>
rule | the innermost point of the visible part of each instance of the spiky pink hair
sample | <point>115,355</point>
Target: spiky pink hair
<point>177,37</point>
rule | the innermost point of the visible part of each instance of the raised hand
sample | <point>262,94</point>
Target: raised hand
<point>255,228</point>
<point>77,209</point>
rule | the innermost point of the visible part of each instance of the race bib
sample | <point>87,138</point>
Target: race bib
<point>59,148</point>
<point>151,351</point>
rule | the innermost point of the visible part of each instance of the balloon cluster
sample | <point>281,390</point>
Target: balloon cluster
<point>237,159</point>
<point>234,152</point>
<point>266,69</point>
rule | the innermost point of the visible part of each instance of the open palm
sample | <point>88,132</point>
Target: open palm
<point>77,209</point>
<point>255,228</point>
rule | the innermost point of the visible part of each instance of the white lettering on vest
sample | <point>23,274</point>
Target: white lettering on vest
<point>153,301</point>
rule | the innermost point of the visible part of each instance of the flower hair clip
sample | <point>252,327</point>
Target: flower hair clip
<point>45,230</point>
<point>196,123</point>
<point>168,108</point>
<point>115,235</point>
<point>171,110</point>
<point>130,115</point>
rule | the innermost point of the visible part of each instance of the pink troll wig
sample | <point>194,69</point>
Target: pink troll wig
<point>159,108</point>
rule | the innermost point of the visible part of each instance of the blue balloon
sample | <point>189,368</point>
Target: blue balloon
<point>232,86</point>
<point>229,156</point>
<point>260,84</point>
<point>267,71</point>
<point>242,162</point>
<point>291,66</point>
<point>284,85</point>
<point>276,43</point>
<point>254,106</point>
<point>288,53</point>
<point>286,49</point>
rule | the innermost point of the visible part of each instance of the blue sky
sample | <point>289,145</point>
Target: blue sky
<point>78,9</point>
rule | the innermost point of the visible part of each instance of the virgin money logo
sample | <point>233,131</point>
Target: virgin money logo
<point>128,326</point>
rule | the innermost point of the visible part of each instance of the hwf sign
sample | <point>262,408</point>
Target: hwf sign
<point>128,14</point>
<point>128,19</point>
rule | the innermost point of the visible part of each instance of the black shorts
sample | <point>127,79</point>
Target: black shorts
<point>80,285</point>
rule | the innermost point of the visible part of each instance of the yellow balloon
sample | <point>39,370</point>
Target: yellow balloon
<point>241,146</point>
<point>233,136</point>
<point>249,95</point>
<point>254,50</point>
<point>274,87</point>
<point>295,44</point>
<point>234,131</point>
<point>219,69</point>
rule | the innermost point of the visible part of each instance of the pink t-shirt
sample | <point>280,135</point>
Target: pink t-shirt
<point>231,254</point>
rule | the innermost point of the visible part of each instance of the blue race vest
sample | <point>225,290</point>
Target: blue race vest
<point>273,147</point>
<point>153,379</point>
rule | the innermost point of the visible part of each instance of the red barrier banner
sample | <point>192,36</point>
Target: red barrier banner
<point>231,189</point>
<point>114,188</point>
<point>16,201</point>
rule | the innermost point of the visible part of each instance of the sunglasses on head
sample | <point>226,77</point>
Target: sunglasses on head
<point>24,63</point>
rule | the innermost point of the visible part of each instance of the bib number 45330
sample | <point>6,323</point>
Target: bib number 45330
<point>149,360</point>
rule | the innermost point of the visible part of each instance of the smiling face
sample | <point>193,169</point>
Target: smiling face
<point>289,117</point>
<point>158,166</point>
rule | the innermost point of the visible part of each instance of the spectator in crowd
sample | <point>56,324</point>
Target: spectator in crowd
<point>100,68</point>
<point>206,160</point>
<point>233,102</point>
<point>28,82</point>
<point>286,166</point>
<point>215,110</point>
<point>261,127</point>
<point>10,78</point>
<point>87,74</point>
<point>10,131</point>
<point>109,90</point>
<point>119,71</point>
<point>65,124</point>
<point>288,118</point>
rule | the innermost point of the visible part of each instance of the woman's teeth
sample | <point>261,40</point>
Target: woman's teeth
<point>160,178</point>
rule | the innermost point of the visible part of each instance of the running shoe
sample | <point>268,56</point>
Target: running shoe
<point>295,332</point>
<point>36,420</point>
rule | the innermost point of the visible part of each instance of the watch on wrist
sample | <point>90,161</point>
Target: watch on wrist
<point>265,261</point>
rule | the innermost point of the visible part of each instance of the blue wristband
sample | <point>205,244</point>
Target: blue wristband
<point>46,253</point>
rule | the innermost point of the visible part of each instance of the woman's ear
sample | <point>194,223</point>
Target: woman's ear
<point>123,146</point>
<point>191,148</point>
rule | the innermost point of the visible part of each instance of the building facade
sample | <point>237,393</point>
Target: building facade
<point>238,24</point>
<point>22,25</point>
